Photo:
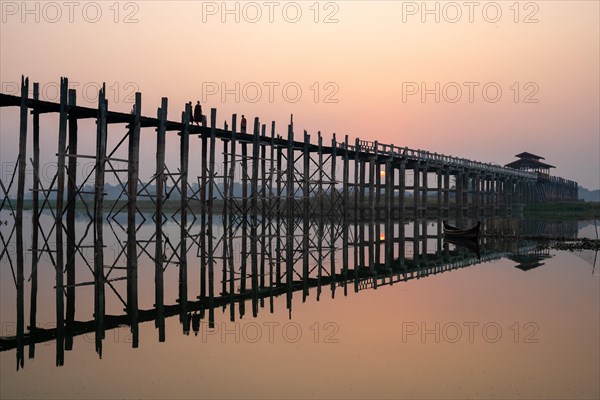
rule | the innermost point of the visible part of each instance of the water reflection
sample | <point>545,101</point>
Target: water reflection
<point>238,264</point>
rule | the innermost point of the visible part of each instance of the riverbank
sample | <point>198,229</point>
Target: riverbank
<point>563,210</point>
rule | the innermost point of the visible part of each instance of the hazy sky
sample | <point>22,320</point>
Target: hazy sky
<point>482,80</point>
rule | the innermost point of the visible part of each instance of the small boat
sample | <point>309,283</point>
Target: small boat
<point>452,231</point>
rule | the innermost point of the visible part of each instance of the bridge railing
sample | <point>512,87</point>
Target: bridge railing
<point>559,180</point>
<point>391,150</point>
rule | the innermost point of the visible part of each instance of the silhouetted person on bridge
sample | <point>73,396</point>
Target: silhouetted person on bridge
<point>198,113</point>
<point>191,114</point>
<point>243,124</point>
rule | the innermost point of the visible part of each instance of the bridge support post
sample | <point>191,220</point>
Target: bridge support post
<point>361,233</point>
<point>305,214</point>
<point>416,189</point>
<point>510,200</point>
<point>389,227</point>
<point>71,203</point>
<point>519,194</point>
<point>504,201</point>
<point>290,215</point>
<point>158,249</point>
<point>446,191</point>
<point>183,166</point>
<point>485,196</point>
<point>425,193</point>
<point>132,173</point>
<point>402,188</point>
<point>254,215</point>
<point>265,199</point>
<point>204,203</point>
<point>416,243</point>
<point>459,182</point>
<point>358,196</point>
<point>279,213</point>
<point>60,185</point>
<point>35,219</point>
<point>439,193</point>
<point>209,228</point>
<point>228,205</point>
<point>99,281</point>
<point>333,212</point>
<point>244,250</point>
<point>475,193</point>
<point>22,163</point>
<point>497,194</point>
<point>373,242</point>
<point>376,205</point>
<point>345,220</point>
<point>319,197</point>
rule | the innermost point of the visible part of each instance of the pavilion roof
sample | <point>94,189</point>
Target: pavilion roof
<point>524,163</point>
<point>526,154</point>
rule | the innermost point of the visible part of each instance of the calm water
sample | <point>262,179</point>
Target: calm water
<point>518,322</point>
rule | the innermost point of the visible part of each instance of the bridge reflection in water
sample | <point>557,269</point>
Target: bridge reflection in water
<point>332,257</point>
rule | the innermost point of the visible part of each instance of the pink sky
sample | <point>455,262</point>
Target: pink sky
<point>367,59</point>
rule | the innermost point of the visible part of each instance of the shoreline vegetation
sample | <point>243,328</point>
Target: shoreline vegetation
<point>564,210</point>
<point>552,210</point>
<point>553,242</point>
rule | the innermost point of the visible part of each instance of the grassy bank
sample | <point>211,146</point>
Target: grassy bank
<point>564,210</point>
<point>554,210</point>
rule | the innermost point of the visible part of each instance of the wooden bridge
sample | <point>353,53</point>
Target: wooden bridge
<point>293,205</point>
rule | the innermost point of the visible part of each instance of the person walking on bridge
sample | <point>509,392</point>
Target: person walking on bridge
<point>243,124</point>
<point>198,113</point>
<point>191,113</point>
